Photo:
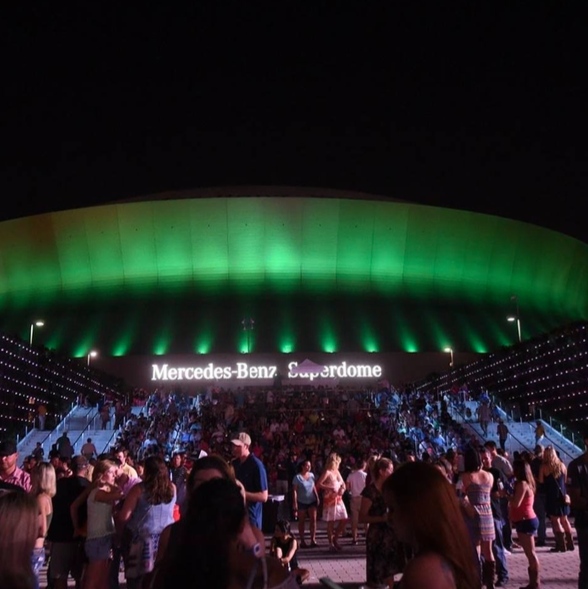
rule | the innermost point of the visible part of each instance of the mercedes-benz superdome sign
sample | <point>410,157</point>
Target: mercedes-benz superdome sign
<point>247,371</point>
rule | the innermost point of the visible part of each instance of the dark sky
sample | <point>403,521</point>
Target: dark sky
<point>458,105</point>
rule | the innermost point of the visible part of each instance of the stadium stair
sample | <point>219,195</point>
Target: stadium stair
<point>522,436</point>
<point>75,423</point>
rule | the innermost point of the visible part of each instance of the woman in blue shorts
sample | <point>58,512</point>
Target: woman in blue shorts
<point>305,499</point>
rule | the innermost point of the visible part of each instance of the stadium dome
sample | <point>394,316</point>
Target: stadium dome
<point>317,270</point>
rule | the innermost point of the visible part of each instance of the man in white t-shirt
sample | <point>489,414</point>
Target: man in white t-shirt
<point>355,485</point>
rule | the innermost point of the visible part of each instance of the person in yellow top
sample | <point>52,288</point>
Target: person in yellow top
<point>539,432</point>
<point>121,454</point>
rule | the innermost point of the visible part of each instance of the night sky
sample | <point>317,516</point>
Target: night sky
<point>456,105</point>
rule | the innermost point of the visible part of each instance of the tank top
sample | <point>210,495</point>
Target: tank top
<point>149,519</point>
<point>100,522</point>
<point>525,509</point>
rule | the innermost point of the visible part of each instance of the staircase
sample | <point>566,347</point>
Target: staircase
<point>522,436</point>
<point>75,422</point>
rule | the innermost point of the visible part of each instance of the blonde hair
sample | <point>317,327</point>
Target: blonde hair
<point>101,467</point>
<point>333,461</point>
<point>554,465</point>
<point>44,480</point>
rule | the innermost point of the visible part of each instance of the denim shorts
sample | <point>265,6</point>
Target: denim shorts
<point>305,506</point>
<point>38,560</point>
<point>527,526</point>
<point>99,548</point>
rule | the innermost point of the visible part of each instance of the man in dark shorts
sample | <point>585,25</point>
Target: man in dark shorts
<point>577,487</point>
<point>67,555</point>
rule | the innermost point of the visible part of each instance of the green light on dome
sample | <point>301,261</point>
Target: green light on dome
<point>246,342</point>
<point>203,343</point>
<point>326,330</point>
<point>122,347</point>
<point>410,346</point>
<point>287,347</point>
<point>203,347</point>
<point>162,343</point>
<point>369,341</point>
<point>329,347</point>
<point>161,347</point>
<point>123,344</point>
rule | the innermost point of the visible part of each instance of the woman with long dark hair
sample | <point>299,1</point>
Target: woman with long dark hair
<point>207,469</point>
<point>381,543</point>
<point>208,553</point>
<point>147,510</point>
<point>426,514</point>
<point>19,515</point>
<point>523,517</point>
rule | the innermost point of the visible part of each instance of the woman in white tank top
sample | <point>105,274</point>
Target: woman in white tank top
<point>101,496</point>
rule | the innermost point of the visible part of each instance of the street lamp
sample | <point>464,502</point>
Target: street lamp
<point>516,318</point>
<point>92,354</point>
<point>450,352</point>
<point>38,324</point>
<point>248,325</point>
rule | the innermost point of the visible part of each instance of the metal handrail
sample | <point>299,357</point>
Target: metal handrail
<point>554,444</point>
<point>465,421</point>
<point>51,432</point>
<point>87,425</point>
<point>509,432</point>
<point>114,432</point>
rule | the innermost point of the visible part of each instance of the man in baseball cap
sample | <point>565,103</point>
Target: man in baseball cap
<point>250,471</point>
<point>9,471</point>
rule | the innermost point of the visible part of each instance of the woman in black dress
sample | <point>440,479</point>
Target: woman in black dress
<point>553,476</point>
<point>381,544</point>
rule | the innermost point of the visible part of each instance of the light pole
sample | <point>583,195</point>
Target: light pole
<point>248,325</point>
<point>516,318</point>
<point>38,324</point>
<point>92,354</point>
<point>450,352</point>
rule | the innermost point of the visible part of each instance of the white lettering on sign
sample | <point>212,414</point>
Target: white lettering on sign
<point>342,370</point>
<point>243,370</point>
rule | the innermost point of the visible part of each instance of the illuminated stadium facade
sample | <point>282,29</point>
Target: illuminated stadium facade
<point>318,271</point>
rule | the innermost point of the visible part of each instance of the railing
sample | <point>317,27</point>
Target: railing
<point>539,412</point>
<point>114,432</point>
<point>553,443</point>
<point>565,431</point>
<point>454,407</point>
<point>89,422</point>
<point>497,404</point>
<point>60,425</point>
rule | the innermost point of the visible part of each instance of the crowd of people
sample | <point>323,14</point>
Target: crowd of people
<point>180,497</point>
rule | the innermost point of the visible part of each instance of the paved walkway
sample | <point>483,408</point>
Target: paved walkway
<point>559,570</point>
<point>347,568</point>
